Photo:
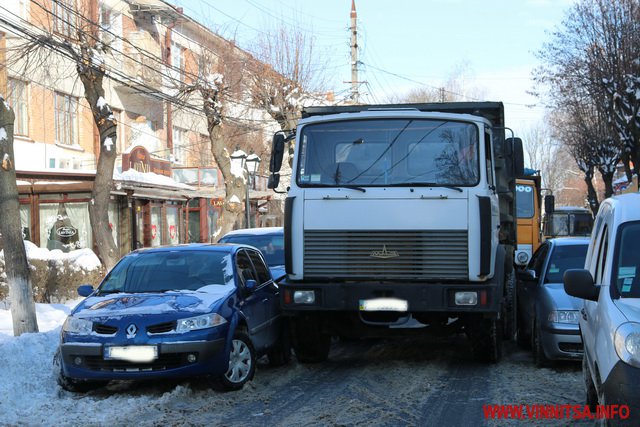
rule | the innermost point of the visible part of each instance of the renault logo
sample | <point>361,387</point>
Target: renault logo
<point>384,253</point>
<point>131,331</point>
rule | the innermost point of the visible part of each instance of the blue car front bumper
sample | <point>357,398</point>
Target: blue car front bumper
<point>82,360</point>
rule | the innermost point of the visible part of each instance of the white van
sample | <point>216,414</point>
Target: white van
<point>610,317</point>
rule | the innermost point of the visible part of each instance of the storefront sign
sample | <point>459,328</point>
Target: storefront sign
<point>66,231</point>
<point>217,202</point>
<point>140,160</point>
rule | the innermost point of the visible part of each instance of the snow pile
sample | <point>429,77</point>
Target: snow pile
<point>55,275</point>
<point>132,175</point>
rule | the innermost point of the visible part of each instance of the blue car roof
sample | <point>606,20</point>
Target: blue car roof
<point>213,247</point>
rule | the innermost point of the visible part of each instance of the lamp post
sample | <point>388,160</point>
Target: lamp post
<point>252,162</point>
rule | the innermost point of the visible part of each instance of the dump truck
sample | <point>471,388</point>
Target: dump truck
<point>399,219</point>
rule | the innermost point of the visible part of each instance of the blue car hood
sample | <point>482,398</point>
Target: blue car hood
<point>126,304</point>
<point>561,299</point>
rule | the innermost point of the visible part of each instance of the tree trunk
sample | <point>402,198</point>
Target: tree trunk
<point>592,194</point>
<point>233,185</point>
<point>607,178</point>
<point>91,77</point>
<point>23,309</point>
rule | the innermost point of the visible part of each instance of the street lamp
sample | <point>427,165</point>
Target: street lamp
<point>252,162</point>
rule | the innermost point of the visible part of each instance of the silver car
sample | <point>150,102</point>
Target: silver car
<point>547,316</point>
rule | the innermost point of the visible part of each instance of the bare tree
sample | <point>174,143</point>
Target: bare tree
<point>23,311</point>
<point>73,39</point>
<point>547,156</point>
<point>457,87</point>
<point>591,65</point>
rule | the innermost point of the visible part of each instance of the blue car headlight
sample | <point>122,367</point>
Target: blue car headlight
<point>75,325</point>
<point>627,343</point>
<point>564,316</point>
<point>200,322</point>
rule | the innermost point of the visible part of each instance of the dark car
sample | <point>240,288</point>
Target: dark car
<point>183,311</point>
<point>547,316</point>
<point>270,241</point>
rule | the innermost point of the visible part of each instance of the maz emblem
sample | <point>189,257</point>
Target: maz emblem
<point>131,331</point>
<point>384,253</point>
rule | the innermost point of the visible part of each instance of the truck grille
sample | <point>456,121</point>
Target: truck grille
<point>434,254</point>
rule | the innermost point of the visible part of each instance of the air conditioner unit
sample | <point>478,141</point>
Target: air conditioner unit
<point>64,163</point>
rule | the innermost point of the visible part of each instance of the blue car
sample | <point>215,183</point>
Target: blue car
<point>184,311</point>
<point>270,241</point>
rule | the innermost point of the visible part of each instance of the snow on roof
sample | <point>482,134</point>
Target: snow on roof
<point>133,175</point>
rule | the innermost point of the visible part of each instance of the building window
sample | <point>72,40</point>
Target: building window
<point>177,62</point>
<point>66,119</point>
<point>120,130</point>
<point>111,25</point>
<point>18,100</point>
<point>64,17</point>
<point>179,146</point>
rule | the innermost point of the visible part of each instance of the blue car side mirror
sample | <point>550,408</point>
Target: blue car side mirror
<point>251,284</point>
<point>85,290</point>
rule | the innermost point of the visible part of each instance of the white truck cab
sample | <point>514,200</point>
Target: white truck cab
<point>610,317</point>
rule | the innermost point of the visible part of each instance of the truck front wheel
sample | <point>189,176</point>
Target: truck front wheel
<point>486,339</point>
<point>310,343</point>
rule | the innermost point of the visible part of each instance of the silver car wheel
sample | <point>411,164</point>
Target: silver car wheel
<point>240,361</point>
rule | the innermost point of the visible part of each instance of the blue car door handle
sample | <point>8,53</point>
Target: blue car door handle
<point>266,300</point>
<point>584,314</point>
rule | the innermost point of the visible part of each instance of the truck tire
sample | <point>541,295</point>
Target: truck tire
<point>486,339</point>
<point>310,344</point>
<point>510,307</point>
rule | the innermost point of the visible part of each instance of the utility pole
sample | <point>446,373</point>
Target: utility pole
<point>354,55</point>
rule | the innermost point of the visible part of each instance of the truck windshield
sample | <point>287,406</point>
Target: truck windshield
<point>524,201</point>
<point>385,152</point>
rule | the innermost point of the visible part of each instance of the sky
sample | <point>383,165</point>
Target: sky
<point>407,44</point>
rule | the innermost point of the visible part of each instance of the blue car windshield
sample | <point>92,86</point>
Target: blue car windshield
<point>166,271</point>
<point>271,246</point>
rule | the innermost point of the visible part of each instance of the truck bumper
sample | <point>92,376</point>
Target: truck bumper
<point>421,297</point>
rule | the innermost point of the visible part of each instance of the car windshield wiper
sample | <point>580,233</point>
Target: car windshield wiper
<point>351,187</point>
<point>110,291</point>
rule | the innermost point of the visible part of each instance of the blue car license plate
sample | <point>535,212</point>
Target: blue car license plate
<point>132,353</point>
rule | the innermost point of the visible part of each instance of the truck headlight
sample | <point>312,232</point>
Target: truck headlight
<point>627,343</point>
<point>75,325</point>
<point>199,322</point>
<point>304,297</point>
<point>466,298</point>
<point>564,316</point>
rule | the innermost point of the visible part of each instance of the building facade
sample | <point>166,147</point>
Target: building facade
<point>167,188</point>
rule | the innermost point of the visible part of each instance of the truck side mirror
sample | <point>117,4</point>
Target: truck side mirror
<point>274,181</point>
<point>579,283</point>
<point>549,203</point>
<point>515,146</point>
<point>277,152</point>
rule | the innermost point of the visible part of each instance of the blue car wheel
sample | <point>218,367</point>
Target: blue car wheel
<point>242,362</point>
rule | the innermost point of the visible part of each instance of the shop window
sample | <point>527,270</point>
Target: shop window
<point>214,221</point>
<point>18,101</point>
<point>66,119</point>
<point>194,226</point>
<point>65,226</point>
<point>156,226</point>
<point>173,225</point>
<point>114,220</point>
<point>25,222</point>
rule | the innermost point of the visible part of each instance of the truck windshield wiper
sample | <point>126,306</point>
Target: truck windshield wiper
<point>425,184</point>
<point>352,187</point>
